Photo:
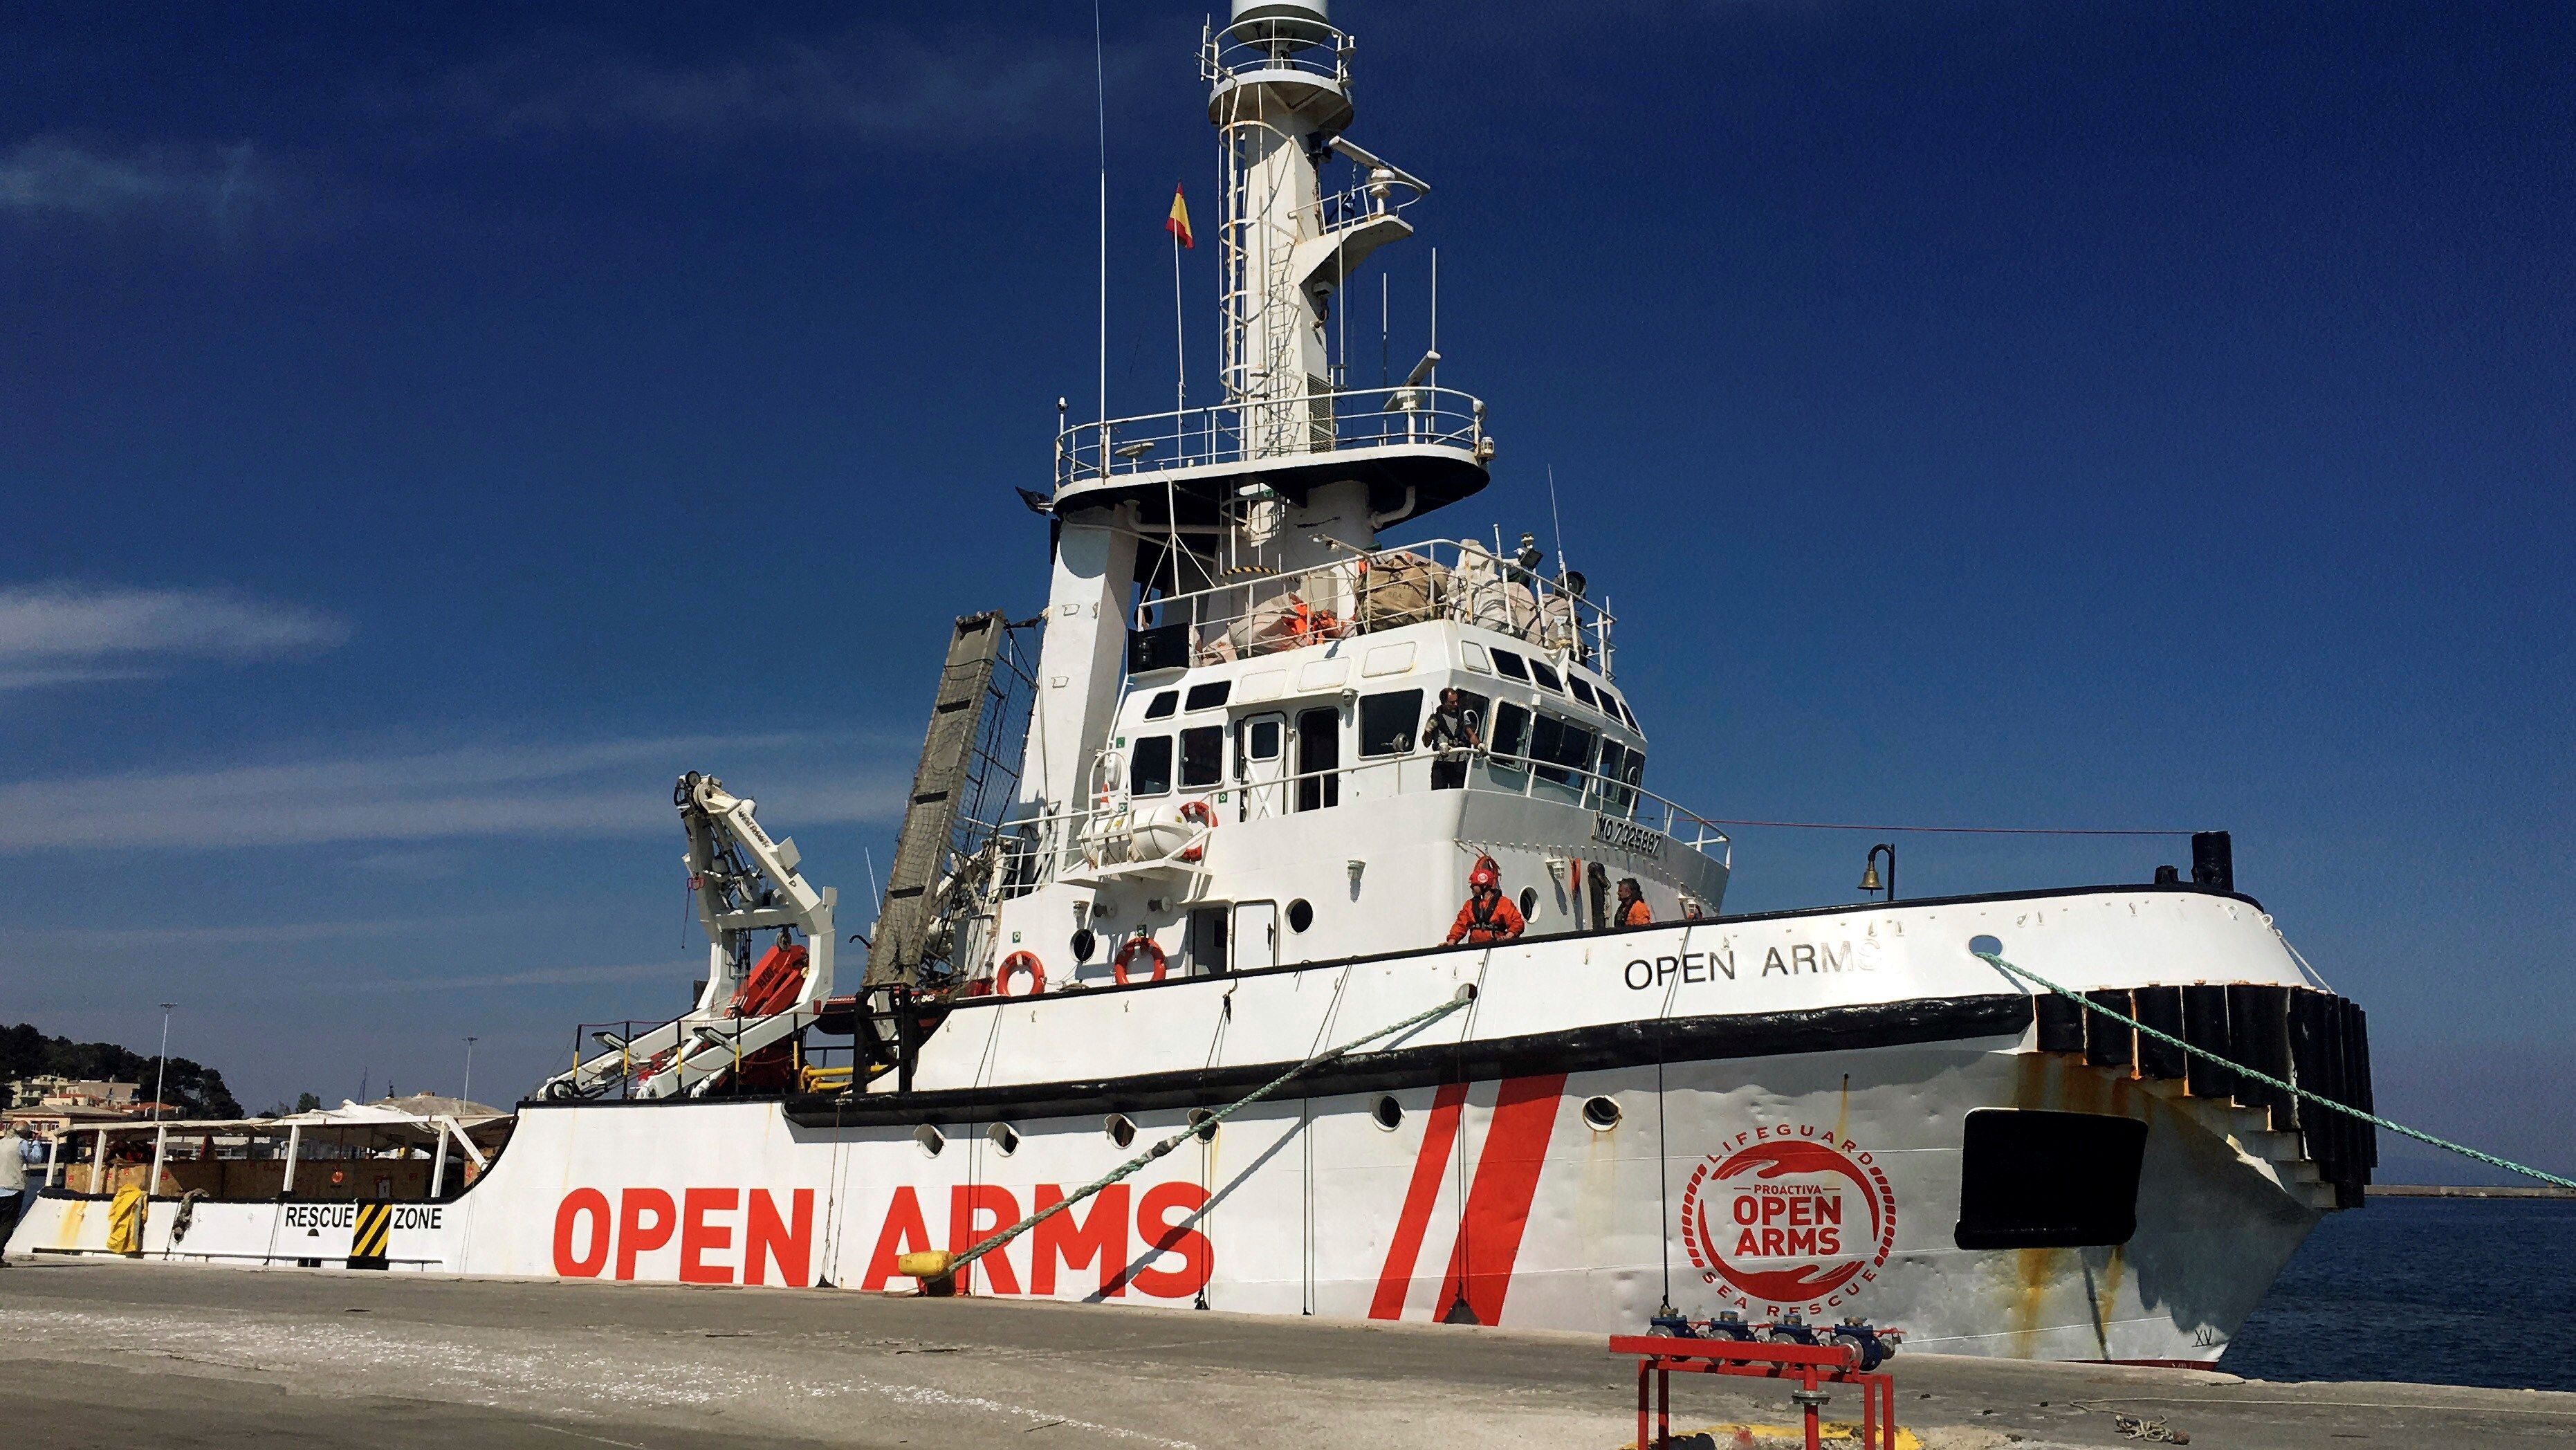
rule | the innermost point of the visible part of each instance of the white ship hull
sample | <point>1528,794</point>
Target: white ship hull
<point>1816,1074</point>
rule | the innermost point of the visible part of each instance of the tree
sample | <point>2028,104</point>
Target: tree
<point>194,1089</point>
<point>307,1103</point>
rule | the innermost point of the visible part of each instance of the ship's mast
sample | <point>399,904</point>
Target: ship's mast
<point>1279,95</point>
<point>1286,474</point>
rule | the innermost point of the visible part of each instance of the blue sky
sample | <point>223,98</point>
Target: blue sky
<point>429,433</point>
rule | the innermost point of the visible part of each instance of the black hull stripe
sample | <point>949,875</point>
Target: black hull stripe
<point>1581,1049</point>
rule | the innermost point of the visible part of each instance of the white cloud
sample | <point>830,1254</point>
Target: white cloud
<point>959,89</point>
<point>676,971</point>
<point>53,634</point>
<point>607,788</point>
<point>60,177</point>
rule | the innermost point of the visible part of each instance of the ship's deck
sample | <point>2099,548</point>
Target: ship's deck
<point>164,1355</point>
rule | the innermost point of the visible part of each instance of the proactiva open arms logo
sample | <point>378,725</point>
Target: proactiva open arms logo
<point>1789,1217</point>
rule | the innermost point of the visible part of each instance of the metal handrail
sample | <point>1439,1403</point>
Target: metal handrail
<point>1061,838</point>
<point>1250,47</point>
<point>1474,586</point>
<point>1282,427</point>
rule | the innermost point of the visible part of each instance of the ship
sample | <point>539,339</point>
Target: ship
<point>1177,904</point>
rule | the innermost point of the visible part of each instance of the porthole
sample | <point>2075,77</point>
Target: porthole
<point>1203,1123</point>
<point>1004,1137</point>
<point>1990,946</point>
<point>1301,914</point>
<point>930,1139</point>
<point>1387,1112</point>
<point>1601,1113</point>
<point>1120,1131</point>
<point>1083,944</point>
<point>1529,903</point>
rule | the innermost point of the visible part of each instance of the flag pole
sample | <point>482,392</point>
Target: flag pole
<point>1180,340</point>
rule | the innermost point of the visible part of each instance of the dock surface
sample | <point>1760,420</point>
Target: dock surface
<point>121,1355</point>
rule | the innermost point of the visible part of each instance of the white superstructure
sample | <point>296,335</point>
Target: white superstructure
<point>1218,842</point>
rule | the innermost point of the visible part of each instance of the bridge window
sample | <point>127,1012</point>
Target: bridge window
<point>1546,676</point>
<point>1149,766</point>
<point>1614,767</point>
<point>1202,756</point>
<point>2036,1180</point>
<point>1583,691</point>
<point>1560,743</point>
<point>1208,696</point>
<point>1511,728</point>
<point>1387,721</point>
<point>1479,709</point>
<point>1512,665</point>
<point>1162,705</point>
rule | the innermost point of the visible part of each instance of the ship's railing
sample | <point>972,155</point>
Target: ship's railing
<point>1285,428</point>
<point>1121,830</point>
<point>1248,47</point>
<point>1368,591</point>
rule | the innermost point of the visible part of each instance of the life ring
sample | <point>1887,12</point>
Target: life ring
<point>1127,953</point>
<point>1014,964</point>
<point>1203,813</point>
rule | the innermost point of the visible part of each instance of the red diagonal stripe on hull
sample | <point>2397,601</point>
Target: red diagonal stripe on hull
<point>1498,1202</point>
<point>1438,1137</point>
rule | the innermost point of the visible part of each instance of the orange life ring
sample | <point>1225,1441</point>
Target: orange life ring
<point>1127,953</point>
<point>1014,964</point>
<point>1203,813</point>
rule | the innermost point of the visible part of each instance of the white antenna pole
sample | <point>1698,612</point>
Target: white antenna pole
<point>1100,103</point>
<point>1383,376</point>
<point>1180,342</point>
<point>1557,519</point>
<point>1435,317</point>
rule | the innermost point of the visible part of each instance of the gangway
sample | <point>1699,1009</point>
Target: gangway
<point>948,853</point>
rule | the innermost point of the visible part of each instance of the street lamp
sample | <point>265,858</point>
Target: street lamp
<point>468,1094</point>
<point>162,1074</point>
<point>1869,878</point>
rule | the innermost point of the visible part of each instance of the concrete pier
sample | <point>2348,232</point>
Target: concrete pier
<point>135,1355</point>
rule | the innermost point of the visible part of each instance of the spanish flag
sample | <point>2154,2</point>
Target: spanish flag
<point>1178,223</point>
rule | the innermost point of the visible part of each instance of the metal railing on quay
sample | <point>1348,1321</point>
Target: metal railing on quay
<point>1283,429</point>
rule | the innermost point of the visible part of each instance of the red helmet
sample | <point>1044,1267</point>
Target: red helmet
<point>1484,876</point>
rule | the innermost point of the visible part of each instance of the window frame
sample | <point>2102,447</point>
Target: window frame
<point>1137,750</point>
<point>1162,705</point>
<point>1193,702</point>
<point>1213,738</point>
<point>1411,714</point>
<point>1510,666</point>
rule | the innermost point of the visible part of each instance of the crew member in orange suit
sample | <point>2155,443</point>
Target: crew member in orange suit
<point>1633,910</point>
<point>1489,916</point>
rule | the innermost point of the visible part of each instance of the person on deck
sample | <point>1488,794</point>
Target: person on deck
<point>1489,916</point>
<point>1450,735</point>
<point>1633,910</point>
<point>17,1147</point>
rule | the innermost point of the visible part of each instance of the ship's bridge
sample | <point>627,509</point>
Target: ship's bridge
<point>1268,790</point>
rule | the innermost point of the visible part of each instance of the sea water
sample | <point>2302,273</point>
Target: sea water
<point>2462,1291</point>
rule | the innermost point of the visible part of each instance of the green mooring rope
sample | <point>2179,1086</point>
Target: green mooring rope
<point>2373,1119</point>
<point>1201,1126</point>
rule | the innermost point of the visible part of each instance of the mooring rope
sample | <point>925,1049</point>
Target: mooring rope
<point>2464,1150</point>
<point>955,1262</point>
